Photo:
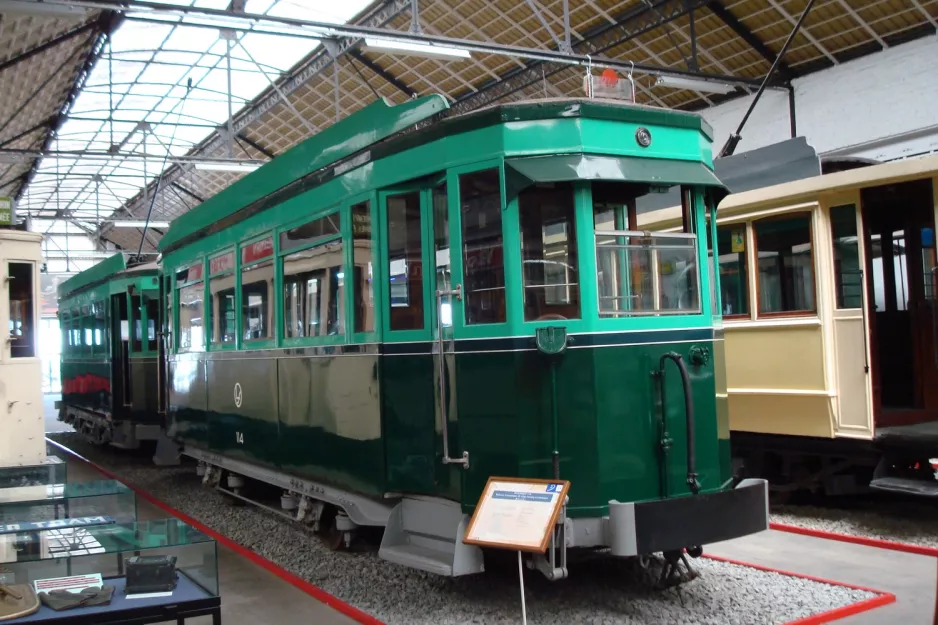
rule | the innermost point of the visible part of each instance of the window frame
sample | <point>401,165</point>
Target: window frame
<point>457,262</point>
<point>749,236</point>
<point>211,345</point>
<point>342,210</point>
<point>860,252</point>
<point>754,262</point>
<point>271,341</point>
<point>177,303</point>
<point>424,188</point>
<point>688,218</point>
<point>348,250</point>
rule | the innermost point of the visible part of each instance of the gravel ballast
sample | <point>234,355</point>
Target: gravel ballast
<point>604,591</point>
<point>905,522</point>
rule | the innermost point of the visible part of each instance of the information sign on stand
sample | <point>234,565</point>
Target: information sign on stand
<point>518,514</point>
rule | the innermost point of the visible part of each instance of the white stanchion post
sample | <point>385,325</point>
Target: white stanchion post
<point>524,614</point>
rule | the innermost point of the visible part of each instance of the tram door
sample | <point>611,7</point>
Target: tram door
<point>899,234</point>
<point>418,385</point>
<point>120,353</point>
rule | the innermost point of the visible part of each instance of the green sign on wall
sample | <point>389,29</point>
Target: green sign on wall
<point>6,211</point>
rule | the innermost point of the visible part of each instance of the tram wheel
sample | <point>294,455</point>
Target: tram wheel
<point>331,537</point>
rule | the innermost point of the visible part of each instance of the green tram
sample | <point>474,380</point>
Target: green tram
<point>400,307</point>
<point>109,316</point>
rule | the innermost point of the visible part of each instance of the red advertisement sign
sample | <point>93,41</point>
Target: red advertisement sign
<point>225,262</point>
<point>194,273</point>
<point>488,257</point>
<point>258,250</point>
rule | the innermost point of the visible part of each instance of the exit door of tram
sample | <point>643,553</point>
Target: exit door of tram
<point>899,238</point>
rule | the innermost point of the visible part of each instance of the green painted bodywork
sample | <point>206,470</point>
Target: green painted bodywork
<point>94,274</point>
<point>361,410</point>
<point>92,378</point>
<point>374,123</point>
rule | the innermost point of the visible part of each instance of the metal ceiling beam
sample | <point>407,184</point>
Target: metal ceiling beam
<point>49,121</point>
<point>254,144</point>
<point>285,26</point>
<point>628,25</point>
<point>382,73</point>
<point>195,196</point>
<point>716,7</point>
<point>99,155</point>
<point>316,63</point>
<point>66,36</point>
<point>106,24</point>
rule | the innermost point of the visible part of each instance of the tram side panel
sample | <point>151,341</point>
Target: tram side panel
<point>609,418</point>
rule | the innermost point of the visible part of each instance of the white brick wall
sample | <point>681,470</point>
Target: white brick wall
<point>882,106</point>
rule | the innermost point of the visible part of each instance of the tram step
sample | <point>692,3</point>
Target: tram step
<point>421,558</point>
<point>426,534</point>
<point>919,488</point>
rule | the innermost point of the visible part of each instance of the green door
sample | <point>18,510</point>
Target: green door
<point>417,384</point>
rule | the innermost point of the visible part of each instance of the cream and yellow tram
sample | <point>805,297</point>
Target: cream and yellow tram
<point>827,289</point>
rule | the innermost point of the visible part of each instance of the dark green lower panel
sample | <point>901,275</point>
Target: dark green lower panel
<point>370,424</point>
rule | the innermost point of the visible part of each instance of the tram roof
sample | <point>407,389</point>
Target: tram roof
<point>344,143</point>
<point>808,189</point>
<point>103,271</point>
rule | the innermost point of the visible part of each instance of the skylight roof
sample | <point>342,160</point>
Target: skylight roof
<point>155,92</point>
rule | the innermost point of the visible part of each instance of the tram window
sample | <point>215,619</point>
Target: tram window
<point>100,328</point>
<point>786,272</point>
<point>405,262</point>
<point>190,317</point>
<point>152,306</point>
<point>734,269</point>
<point>549,253</point>
<point>311,232</point>
<point>136,323</point>
<point>22,302</point>
<point>848,282</point>
<point>363,268</point>
<point>256,310</point>
<point>483,246</point>
<point>87,330</point>
<point>314,292</point>
<point>74,331</point>
<point>221,301</point>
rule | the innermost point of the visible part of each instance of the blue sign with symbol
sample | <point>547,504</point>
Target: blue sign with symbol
<point>554,488</point>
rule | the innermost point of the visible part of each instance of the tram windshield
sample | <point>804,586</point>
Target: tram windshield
<point>641,272</point>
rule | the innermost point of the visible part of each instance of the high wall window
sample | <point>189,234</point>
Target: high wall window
<point>363,268</point>
<point>191,318</point>
<point>22,331</point>
<point>549,253</point>
<point>314,292</point>
<point>222,308</point>
<point>734,269</point>
<point>405,262</point>
<point>848,274</point>
<point>257,278</point>
<point>785,264</point>
<point>480,204</point>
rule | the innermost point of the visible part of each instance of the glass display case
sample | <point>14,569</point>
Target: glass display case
<point>155,571</point>
<point>52,470</point>
<point>38,506</point>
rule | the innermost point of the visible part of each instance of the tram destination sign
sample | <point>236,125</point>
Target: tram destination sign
<point>516,513</point>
